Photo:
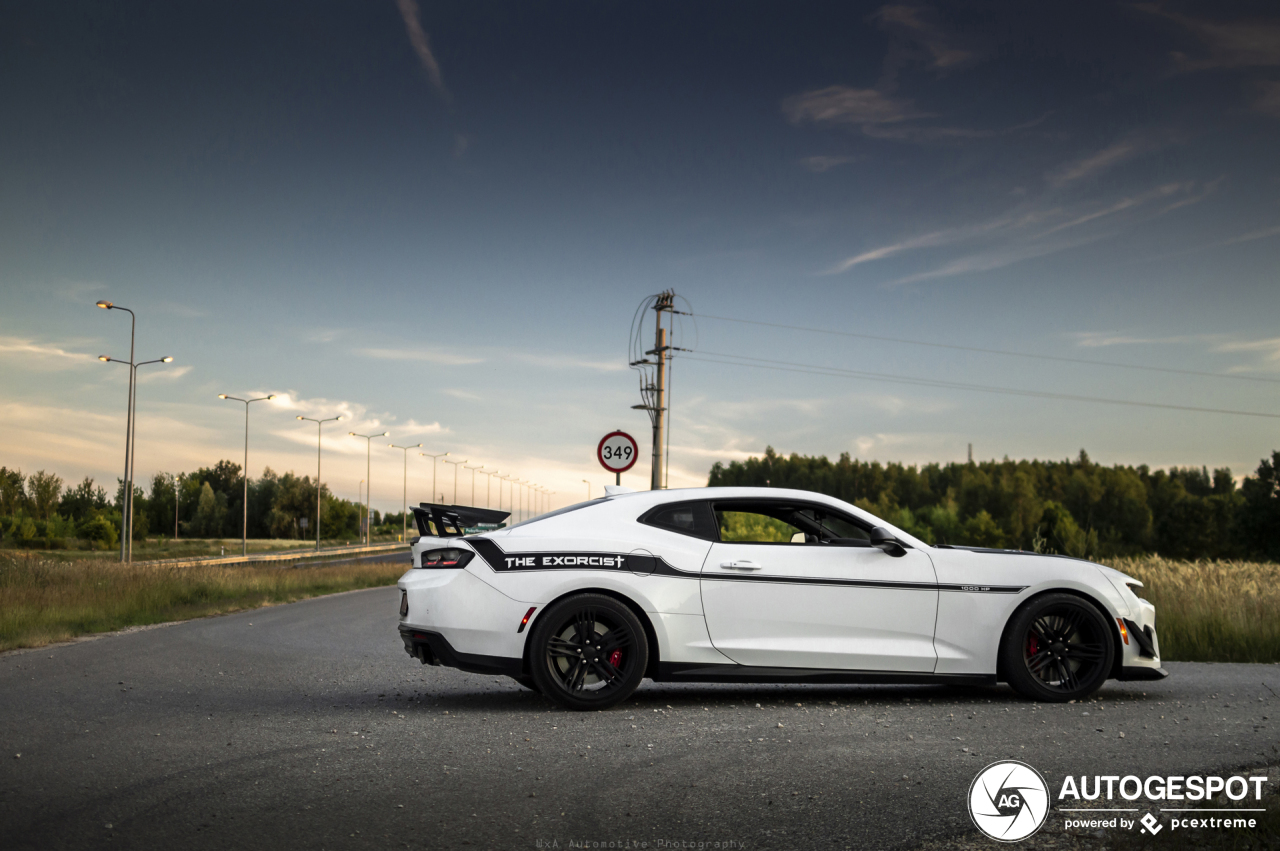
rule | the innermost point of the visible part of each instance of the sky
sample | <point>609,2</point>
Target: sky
<point>438,219</point>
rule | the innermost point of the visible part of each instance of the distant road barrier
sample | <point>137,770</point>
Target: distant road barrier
<point>288,555</point>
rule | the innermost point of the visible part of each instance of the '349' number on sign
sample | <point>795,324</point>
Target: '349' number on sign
<point>617,452</point>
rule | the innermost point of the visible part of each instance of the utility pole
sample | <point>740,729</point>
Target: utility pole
<point>654,393</point>
<point>970,453</point>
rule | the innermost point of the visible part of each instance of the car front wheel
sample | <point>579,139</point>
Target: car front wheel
<point>1057,648</point>
<point>588,652</point>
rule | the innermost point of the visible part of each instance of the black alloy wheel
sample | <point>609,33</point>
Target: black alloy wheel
<point>1058,648</point>
<point>588,652</point>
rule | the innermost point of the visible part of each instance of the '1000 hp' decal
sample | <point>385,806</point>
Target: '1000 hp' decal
<point>647,565</point>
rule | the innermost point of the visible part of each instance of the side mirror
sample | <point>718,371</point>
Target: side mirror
<point>883,539</point>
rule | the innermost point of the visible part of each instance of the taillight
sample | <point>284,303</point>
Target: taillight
<point>451,557</point>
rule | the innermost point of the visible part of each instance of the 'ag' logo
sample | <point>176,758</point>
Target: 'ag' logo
<point>1008,801</point>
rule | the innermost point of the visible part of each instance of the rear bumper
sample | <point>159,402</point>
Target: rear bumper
<point>1133,672</point>
<point>432,648</point>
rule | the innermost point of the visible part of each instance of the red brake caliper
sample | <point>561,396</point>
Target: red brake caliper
<point>1033,644</point>
<point>615,658</point>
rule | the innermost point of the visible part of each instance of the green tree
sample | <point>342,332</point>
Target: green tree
<point>13,493</point>
<point>1260,515</point>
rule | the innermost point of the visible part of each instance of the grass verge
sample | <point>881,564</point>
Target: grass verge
<point>1225,611</point>
<point>45,600</point>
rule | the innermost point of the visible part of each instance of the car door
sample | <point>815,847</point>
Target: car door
<point>776,594</point>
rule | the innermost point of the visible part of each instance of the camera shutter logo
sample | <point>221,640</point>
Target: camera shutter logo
<point>1009,801</point>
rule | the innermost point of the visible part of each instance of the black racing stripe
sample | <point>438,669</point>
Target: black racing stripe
<point>814,580</point>
<point>984,589</point>
<point>501,562</point>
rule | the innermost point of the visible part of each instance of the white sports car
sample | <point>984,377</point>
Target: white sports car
<point>757,585</point>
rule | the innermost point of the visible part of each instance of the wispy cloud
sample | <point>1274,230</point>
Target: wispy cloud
<point>462,394</point>
<point>422,46</point>
<point>1268,348</point>
<point>566,362</point>
<point>1268,100</point>
<point>846,105</point>
<point>427,355</point>
<point>917,26</point>
<point>157,374</point>
<point>1033,229</point>
<point>1264,233</point>
<point>35,354</point>
<point>1104,339</point>
<point>1095,163</point>
<point>1235,44</point>
<point>819,164</point>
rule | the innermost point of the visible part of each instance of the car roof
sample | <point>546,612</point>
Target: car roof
<point>630,506</point>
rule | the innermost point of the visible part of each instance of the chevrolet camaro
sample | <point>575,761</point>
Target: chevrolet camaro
<point>753,585</point>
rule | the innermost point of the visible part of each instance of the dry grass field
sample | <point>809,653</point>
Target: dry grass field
<point>1224,611</point>
<point>45,600</point>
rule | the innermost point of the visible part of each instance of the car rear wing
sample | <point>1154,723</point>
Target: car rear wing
<point>451,521</point>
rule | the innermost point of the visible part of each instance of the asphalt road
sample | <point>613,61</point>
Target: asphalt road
<point>307,726</point>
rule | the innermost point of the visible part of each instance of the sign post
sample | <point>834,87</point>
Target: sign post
<point>617,452</point>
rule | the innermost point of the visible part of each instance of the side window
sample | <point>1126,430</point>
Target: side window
<point>835,525</point>
<point>748,525</point>
<point>687,518</point>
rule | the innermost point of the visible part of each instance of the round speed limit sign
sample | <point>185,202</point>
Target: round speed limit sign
<point>617,452</point>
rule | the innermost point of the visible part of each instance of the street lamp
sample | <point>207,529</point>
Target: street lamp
<point>368,491</point>
<point>318,424</point>
<point>128,428</point>
<point>126,501</point>
<point>244,538</point>
<point>502,478</point>
<point>404,511</point>
<point>473,481</point>
<point>488,480</point>
<point>456,465</point>
<point>588,484</point>
<point>434,459</point>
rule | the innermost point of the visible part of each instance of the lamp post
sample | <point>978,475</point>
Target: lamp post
<point>318,423</point>
<point>488,480</point>
<point>473,481</point>
<point>128,427</point>
<point>368,491</point>
<point>244,537</point>
<point>501,477</point>
<point>404,510</point>
<point>126,501</point>
<point>456,465</point>
<point>434,459</point>
<point>588,484</point>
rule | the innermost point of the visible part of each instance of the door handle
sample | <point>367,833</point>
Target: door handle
<point>740,565</point>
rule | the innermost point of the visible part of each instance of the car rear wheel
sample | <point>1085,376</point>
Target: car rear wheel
<point>588,652</point>
<point>1057,648</point>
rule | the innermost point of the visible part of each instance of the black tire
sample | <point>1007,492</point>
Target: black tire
<point>527,682</point>
<point>1058,648</point>
<point>588,652</point>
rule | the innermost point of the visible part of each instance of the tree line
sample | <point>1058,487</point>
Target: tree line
<point>1074,507</point>
<point>39,510</point>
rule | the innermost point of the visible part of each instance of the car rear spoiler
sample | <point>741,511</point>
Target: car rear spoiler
<point>451,521</point>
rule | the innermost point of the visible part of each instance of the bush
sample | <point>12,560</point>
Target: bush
<point>100,531</point>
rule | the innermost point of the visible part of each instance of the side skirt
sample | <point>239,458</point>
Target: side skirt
<point>683,672</point>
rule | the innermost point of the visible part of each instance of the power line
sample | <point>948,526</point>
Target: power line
<point>812,369</point>
<point>1004,352</point>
